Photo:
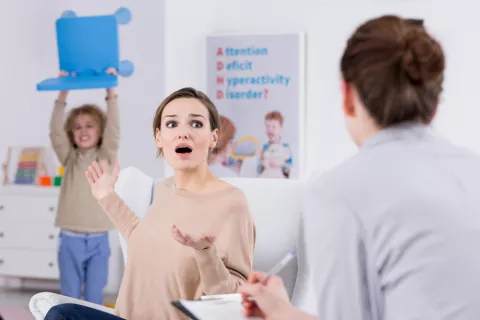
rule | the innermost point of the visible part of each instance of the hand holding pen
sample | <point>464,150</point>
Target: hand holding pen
<point>265,295</point>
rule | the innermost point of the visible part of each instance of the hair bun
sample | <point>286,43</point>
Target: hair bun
<point>422,57</point>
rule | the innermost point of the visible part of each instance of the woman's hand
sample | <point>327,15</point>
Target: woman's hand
<point>102,178</point>
<point>269,301</point>
<point>196,242</point>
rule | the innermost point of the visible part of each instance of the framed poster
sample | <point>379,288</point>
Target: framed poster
<point>257,84</point>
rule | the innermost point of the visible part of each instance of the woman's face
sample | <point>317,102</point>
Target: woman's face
<point>185,136</point>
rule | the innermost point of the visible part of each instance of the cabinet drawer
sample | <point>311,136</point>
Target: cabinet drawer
<point>28,236</point>
<point>29,264</point>
<point>18,208</point>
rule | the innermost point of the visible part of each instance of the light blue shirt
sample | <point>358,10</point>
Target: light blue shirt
<point>394,233</point>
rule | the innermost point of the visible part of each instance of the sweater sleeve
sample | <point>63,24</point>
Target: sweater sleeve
<point>124,219</point>
<point>60,142</point>
<point>222,274</point>
<point>111,136</point>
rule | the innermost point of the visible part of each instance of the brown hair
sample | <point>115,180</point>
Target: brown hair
<point>186,93</point>
<point>274,115</point>
<point>226,134</point>
<point>92,110</point>
<point>397,69</point>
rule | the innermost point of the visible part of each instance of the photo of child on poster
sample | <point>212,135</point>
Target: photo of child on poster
<point>255,82</point>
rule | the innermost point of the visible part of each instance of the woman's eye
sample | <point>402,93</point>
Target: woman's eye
<point>170,124</point>
<point>197,124</point>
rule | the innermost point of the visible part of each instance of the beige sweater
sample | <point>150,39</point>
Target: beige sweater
<point>77,209</point>
<point>159,269</point>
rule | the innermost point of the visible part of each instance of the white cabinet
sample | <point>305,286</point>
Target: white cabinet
<point>29,239</point>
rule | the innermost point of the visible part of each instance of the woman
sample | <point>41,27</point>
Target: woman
<point>391,233</point>
<point>198,236</point>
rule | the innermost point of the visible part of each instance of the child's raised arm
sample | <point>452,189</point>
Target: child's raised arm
<point>60,142</point>
<point>111,136</point>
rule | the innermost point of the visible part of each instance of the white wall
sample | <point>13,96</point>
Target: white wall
<point>328,24</point>
<point>29,55</point>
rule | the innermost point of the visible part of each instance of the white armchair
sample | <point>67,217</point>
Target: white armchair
<point>275,205</point>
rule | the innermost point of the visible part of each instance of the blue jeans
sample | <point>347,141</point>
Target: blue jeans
<point>70,311</point>
<point>83,261</point>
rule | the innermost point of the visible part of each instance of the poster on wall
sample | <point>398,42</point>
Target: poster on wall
<point>256,82</point>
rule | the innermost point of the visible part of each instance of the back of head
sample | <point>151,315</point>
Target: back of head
<point>397,69</point>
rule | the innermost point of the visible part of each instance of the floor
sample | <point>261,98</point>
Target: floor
<point>15,298</point>
<point>14,304</point>
<point>18,298</point>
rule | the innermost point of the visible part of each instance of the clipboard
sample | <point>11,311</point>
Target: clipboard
<point>212,309</point>
<point>178,304</point>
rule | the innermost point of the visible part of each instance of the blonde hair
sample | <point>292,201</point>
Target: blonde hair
<point>89,109</point>
<point>226,134</point>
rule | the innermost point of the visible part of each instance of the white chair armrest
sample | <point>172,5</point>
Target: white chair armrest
<point>42,302</point>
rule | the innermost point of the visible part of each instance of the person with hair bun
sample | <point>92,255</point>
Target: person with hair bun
<point>391,233</point>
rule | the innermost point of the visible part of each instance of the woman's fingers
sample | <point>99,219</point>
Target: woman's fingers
<point>250,290</point>
<point>89,177</point>
<point>256,276</point>
<point>104,166</point>
<point>93,173</point>
<point>97,169</point>
<point>116,169</point>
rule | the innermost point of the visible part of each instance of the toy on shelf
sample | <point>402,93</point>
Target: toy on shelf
<point>87,48</point>
<point>28,166</point>
<point>57,180</point>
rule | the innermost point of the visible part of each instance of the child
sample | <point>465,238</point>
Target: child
<point>275,156</point>
<point>87,135</point>
<point>220,161</point>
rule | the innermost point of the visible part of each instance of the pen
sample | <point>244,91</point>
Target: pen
<point>274,271</point>
<point>279,266</point>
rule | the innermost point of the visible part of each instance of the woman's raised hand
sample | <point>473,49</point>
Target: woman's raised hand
<point>102,178</point>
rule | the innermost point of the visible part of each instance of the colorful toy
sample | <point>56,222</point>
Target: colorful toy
<point>57,181</point>
<point>87,47</point>
<point>244,148</point>
<point>28,166</point>
<point>45,181</point>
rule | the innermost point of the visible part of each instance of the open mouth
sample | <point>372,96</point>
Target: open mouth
<point>183,149</point>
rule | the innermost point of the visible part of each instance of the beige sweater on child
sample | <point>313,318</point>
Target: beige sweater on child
<point>78,210</point>
<point>160,270</point>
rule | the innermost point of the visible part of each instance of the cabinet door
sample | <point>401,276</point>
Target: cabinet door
<point>29,264</point>
<point>32,209</point>
<point>28,235</point>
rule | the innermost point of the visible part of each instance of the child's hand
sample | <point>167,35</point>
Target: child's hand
<point>101,178</point>
<point>111,71</point>
<point>111,91</point>
<point>196,242</point>
<point>65,73</point>
<point>62,95</point>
